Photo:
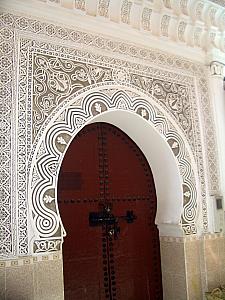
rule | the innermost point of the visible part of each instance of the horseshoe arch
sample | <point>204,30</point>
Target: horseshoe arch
<point>165,148</point>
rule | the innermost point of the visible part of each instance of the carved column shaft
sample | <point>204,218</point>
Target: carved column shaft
<point>218,100</point>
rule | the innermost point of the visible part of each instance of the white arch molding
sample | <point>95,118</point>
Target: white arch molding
<point>168,181</point>
<point>152,130</point>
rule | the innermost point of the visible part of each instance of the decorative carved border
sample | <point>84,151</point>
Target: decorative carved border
<point>7,180</point>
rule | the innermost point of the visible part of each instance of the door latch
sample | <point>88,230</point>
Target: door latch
<point>107,218</point>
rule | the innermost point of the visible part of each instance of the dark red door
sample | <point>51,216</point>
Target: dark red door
<point>107,203</point>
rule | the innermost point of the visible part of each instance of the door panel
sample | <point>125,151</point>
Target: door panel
<point>79,174</point>
<point>128,169</point>
<point>104,171</point>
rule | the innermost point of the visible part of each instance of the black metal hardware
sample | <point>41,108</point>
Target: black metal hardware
<point>106,218</point>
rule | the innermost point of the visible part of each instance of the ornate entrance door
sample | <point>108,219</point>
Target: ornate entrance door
<point>107,203</point>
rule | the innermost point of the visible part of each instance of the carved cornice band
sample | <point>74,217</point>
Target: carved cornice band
<point>196,23</point>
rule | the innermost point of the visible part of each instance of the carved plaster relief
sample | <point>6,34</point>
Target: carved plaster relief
<point>103,8</point>
<point>219,2</point>
<point>49,73</point>
<point>55,78</point>
<point>217,69</point>
<point>60,132</point>
<point>198,23</point>
<point>7,194</point>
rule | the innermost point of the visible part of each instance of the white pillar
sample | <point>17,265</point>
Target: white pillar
<point>217,70</point>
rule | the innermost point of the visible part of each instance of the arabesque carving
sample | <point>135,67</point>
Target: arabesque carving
<point>180,89</point>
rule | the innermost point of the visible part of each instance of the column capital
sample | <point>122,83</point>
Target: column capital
<point>217,69</point>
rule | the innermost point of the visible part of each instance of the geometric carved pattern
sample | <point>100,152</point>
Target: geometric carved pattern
<point>60,133</point>
<point>124,69</point>
<point>6,92</point>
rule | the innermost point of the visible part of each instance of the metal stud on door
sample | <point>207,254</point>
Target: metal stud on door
<point>107,202</point>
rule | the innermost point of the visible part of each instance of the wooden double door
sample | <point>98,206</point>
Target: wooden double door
<point>107,203</point>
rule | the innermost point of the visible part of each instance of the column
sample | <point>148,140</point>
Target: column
<point>217,70</point>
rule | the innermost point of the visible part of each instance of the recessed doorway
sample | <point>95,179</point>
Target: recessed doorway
<point>107,203</point>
